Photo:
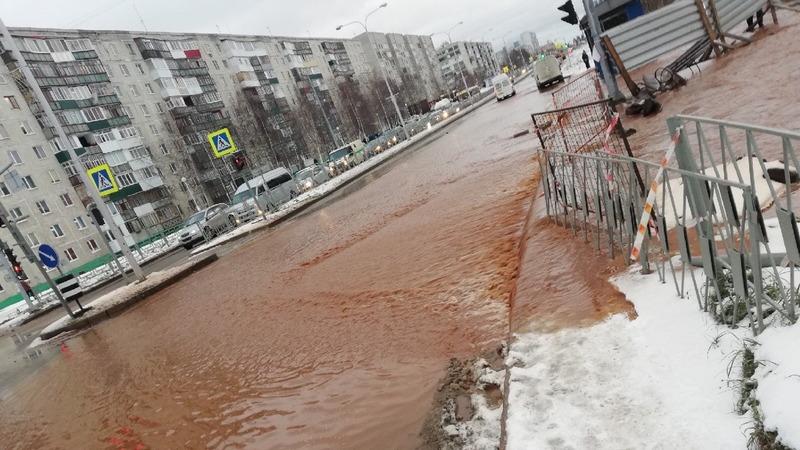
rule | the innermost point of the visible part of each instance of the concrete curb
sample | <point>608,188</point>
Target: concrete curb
<point>93,316</point>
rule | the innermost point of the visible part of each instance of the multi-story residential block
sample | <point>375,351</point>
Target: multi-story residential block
<point>144,103</point>
<point>47,208</point>
<point>411,65</point>
<point>476,60</point>
<point>78,87</point>
<point>529,42</point>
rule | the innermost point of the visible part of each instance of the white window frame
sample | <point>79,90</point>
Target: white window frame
<point>69,202</point>
<point>43,207</point>
<point>79,222</point>
<point>71,254</point>
<point>60,230</point>
<point>14,157</point>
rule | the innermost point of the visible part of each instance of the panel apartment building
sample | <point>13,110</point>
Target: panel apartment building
<point>411,64</point>
<point>476,60</point>
<point>143,102</point>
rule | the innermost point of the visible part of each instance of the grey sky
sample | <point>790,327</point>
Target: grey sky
<point>483,19</point>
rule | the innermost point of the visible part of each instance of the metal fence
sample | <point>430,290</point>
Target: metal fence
<point>582,89</point>
<point>707,229</point>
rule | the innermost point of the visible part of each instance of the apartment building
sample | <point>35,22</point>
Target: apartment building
<point>47,208</point>
<point>476,60</point>
<point>78,87</point>
<point>529,42</point>
<point>411,65</point>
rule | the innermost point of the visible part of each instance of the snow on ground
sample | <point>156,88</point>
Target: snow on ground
<point>12,315</point>
<point>658,381</point>
<point>327,187</point>
<point>778,378</point>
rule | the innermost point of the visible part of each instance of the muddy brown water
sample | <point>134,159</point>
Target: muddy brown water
<point>330,331</point>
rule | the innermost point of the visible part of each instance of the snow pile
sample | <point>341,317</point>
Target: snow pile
<point>482,430</point>
<point>658,381</point>
<point>778,378</point>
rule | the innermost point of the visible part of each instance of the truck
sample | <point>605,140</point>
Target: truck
<point>547,72</point>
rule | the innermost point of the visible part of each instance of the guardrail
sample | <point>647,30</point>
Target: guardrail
<point>710,208</point>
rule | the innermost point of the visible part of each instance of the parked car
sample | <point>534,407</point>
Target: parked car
<point>503,87</point>
<point>345,157</point>
<point>265,192</point>
<point>206,224</point>
<point>547,72</point>
<point>310,177</point>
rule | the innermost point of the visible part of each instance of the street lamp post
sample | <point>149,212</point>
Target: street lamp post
<point>377,58</point>
<point>460,68</point>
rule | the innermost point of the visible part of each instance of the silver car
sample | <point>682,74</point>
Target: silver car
<point>206,224</point>
<point>310,177</point>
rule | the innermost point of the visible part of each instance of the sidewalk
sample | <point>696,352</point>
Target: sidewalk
<point>117,301</point>
<point>305,200</point>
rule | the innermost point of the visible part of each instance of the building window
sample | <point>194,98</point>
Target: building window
<point>3,132</point>
<point>93,247</point>
<point>124,69</point>
<point>94,114</point>
<point>54,178</point>
<point>57,231</point>
<point>79,223</point>
<point>16,213</point>
<point>149,88</point>
<point>145,110</point>
<point>153,129</point>
<point>71,255</point>
<point>12,101</point>
<point>160,107</point>
<point>126,179</point>
<point>134,90</point>
<point>163,148</point>
<point>4,191</point>
<point>14,157</point>
<point>27,180</point>
<point>130,48</point>
<point>215,63</point>
<point>117,91</point>
<point>42,206</point>
<point>33,240</point>
<point>139,69</point>
<point>25,128</point>
<point>39,152</point>
<point>128,112</point>
<point>66,199</point>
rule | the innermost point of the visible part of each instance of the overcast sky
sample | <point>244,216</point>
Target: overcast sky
<point>488,20</point>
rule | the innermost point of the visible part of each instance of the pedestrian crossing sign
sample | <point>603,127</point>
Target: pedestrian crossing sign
<point>103,179</point>
<point>221,142</point>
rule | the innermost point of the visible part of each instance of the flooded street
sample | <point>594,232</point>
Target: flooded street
<point>330,331</point>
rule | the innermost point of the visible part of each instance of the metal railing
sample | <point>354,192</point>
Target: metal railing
<point>580,90</point>
<point>708,227</point>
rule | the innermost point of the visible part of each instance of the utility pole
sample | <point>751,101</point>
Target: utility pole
<point>90,187</point>
<point>608,76</point>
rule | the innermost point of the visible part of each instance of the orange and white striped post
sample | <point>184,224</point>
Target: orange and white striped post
<point>651,197</point>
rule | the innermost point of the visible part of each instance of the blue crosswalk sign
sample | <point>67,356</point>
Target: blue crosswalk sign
<point>103,179</point>
<point>221,142</point>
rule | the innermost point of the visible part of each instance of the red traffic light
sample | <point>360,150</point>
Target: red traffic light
<point>239,161</point>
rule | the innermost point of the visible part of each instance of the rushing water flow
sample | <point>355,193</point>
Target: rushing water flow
<point>330,331</point>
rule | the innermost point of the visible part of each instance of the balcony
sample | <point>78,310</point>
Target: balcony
<point>140,163</point>
<point>151,183</point>
<point>210,107</point>
<point>247,79</point>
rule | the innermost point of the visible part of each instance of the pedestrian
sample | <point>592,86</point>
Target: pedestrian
<point>585,58</point>
<point>751,21</point>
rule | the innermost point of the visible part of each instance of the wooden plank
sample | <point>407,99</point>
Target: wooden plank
<point>632,86</point>
<point>712,35</point>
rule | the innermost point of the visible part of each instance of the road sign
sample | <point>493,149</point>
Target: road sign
<point>48,256</point>
<point>221,142</point>
<point>103,179</point>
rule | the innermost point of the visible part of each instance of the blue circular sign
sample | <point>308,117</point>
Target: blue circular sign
<point>48,255</point>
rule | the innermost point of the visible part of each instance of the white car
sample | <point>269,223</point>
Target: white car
<point>310,177</point>
<point>503,87</point>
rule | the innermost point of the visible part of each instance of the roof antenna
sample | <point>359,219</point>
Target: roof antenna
<point>133,2</point>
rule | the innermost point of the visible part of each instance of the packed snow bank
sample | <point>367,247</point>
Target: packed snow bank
<point>778,378</point>
<point>658,381</point>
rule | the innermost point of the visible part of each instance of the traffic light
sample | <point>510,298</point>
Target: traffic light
<point>239,161</point>
<point>15,265</point>
<point>97,216</point>
<point>571,18</point>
